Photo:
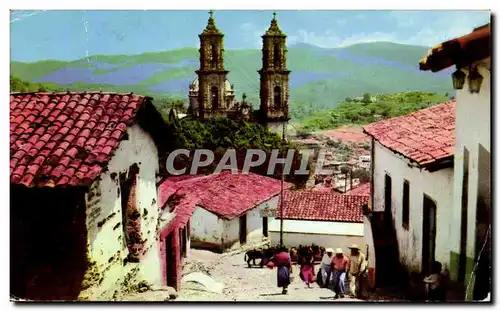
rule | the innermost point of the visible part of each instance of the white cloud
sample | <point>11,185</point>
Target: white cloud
<point>417,28</point>
<point>328,39</point>
<point>252,34</point>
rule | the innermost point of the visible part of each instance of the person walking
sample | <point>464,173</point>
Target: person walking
<point>307,269</point>
<point>283,262</point>
<point>340,265</point>
<point>357,271</point>
<point>326,267</point>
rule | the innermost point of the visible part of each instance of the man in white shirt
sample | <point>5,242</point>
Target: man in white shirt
<point>326,267</point>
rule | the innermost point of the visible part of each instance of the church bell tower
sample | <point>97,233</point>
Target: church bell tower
<point>212,85</point>
<point>274,79</point>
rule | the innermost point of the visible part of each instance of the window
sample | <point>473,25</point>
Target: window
<point>214,97</point>
<point>277,56</point>
<point>406,204</point>
<point>277,96</point>
<point>214,56</point>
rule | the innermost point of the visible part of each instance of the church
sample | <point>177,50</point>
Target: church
<point>212,95</point>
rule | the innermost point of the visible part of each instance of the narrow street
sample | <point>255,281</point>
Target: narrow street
<point>245,284</point>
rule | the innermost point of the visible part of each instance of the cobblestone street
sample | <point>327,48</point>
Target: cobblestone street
<point>246,284</point>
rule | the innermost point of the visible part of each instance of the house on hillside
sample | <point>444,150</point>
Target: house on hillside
<point>222,211</point>
<point>84,213</point>
<point>471,214</point>
<point>412,189</point>
<point>323,218</point>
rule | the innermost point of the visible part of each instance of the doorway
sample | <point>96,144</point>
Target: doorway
<point>388,197</point>
<point>265,230</point>
<point>428,234</point>
<point>243,229</point>
<point>183,236</point>
<point>170,258</point>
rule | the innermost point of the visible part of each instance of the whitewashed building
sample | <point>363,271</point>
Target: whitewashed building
<point>226,210</point>
<point>412,185</point>
<point>471,216</point>
<point>323,218</point>
<point>364,161</point>
<point>83,194</point>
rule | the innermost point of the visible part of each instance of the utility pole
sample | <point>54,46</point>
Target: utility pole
<point>350,179</point>
<point>282,197</point>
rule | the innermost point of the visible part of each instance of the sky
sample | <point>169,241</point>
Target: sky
<point>70,35</point>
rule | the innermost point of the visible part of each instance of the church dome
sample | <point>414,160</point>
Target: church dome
<point>227,86</point>
<point>195,86</point>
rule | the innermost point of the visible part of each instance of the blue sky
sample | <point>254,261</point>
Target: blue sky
<point>70,35</point>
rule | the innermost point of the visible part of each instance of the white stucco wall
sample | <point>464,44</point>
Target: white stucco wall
<point>291,239</point>
<point>472,128</point>
<point>206,227</point>
<point>437,185</point>
<point>106,243</point>
<point>323,233</point>
<point>231,233</point>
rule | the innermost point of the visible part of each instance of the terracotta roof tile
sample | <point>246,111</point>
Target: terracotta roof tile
<point>424,136</point>
<point>226,195</point>
<point>47,130</point>
<point>459,51</point>
<point>323,206</point>
<point>363,190</point>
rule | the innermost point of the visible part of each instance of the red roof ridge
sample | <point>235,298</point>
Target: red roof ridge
<point>79,92</point>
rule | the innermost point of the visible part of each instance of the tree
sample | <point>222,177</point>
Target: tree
<point>345,169</point>
<point>367,98</point>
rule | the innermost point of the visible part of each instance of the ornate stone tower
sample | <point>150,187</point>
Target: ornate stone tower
<point>213,91</point>
<point>274,79</point>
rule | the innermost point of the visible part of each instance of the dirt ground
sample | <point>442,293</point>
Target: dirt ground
<point>246,284</point>
<point>347,134</point>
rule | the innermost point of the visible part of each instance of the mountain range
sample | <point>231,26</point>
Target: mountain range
<point>321,77</point>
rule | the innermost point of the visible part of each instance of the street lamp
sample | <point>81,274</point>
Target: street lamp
<point>475,80</point>
<point>458,78</point>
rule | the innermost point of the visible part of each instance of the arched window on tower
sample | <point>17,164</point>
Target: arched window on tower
<point>277,96</point>
<point>214,98</point>
<point>214,56</point>
<point>277,56</point>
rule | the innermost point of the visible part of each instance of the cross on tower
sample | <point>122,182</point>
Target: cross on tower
<point>274,15</point>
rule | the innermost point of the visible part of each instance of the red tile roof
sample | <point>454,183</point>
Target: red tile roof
<point>322,206</point>
<point>459,51</point>
<point>226,195</point>
<point>425,136</point>
<point>66,139</point>
<point>363,190</point>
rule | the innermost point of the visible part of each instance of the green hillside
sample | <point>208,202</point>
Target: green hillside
<point>321,78</point>
<point>372,109</point>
